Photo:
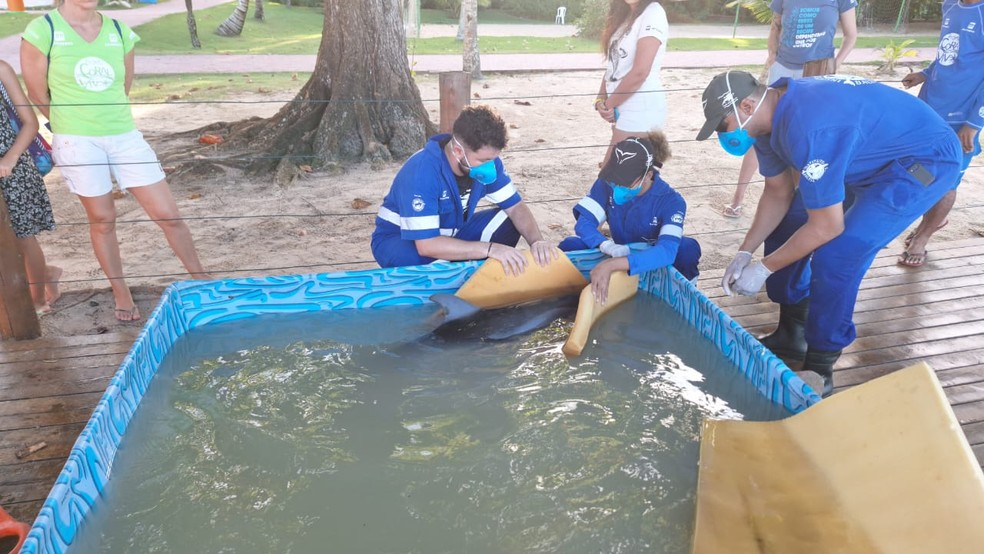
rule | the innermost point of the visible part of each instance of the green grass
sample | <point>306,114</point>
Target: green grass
<point>441,17</point>
<point>298,31</point>
<point>13,23</point>
<point>197,87</point>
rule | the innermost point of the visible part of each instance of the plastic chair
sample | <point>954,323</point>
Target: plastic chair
<point>561,15</point>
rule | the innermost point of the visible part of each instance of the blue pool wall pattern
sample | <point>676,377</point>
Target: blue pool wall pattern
<point>191,304</point>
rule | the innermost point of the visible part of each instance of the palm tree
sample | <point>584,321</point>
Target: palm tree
<point>233,25</point>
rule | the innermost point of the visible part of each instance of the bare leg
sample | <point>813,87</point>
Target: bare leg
<point>749,165</point>
<point>102,232</point>
<point>35,266</point>
<point>932,220</point>
<point>159,204</point>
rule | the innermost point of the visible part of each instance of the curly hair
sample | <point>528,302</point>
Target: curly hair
<point>619,14</point>
<point>480,126</point>
<point>660,146</point>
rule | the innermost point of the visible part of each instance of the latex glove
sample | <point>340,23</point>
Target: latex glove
<point>614,250</point>
<point>733,272</point>
<point>752,278</point>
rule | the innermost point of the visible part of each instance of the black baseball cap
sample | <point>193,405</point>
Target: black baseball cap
<point>630,160</point>
<point>725,90</point>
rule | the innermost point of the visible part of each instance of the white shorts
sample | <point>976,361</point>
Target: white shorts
<point>89,164</point>
<point>643,111</point>
<point>778,71</point>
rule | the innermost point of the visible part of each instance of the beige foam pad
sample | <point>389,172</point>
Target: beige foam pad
<point>490,287</point>
<point>882,467</point>
<point>621,287</point>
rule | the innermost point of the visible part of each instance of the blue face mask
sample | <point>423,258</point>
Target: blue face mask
<point>736,142</point>
<point>483,173</point>
<point>621,195</point>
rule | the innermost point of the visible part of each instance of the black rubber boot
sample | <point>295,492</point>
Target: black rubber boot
<point>788,341</point>
<point>822,362</point>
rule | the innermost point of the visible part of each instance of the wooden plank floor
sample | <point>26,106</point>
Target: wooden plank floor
<point>905,315</point>
<point>49,387</point>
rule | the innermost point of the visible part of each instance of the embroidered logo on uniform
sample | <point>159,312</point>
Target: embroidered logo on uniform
<point>654,222</point>
<point>980,112</point>
<point>114,39</point>
<point>417,204</point>
<point>444,195</point>
<point>94,74</point>
<point>949,47</point>
<point>815,170</point>
<point>622,156</point>
<point>970,26</point>
<point>846,80</point>
<point>677,218</point>
<point>59,36</point>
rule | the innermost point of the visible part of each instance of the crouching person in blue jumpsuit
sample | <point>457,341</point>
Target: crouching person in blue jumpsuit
<point>840,137</point>
<point>430,211</point>
<point>638,206</point>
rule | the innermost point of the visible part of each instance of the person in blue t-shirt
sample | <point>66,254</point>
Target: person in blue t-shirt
<point>863,179</point>
<point>801,44</point>
<point>638,206</point>
<point>430,212</point>
<point>953,85</point>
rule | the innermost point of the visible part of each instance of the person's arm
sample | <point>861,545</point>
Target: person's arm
<point>29,122</point>
<point>849,28</point>
<point>587,229</point>
<point>822,226</point>
<point>775,31</point>
<point>128,65</point>
<point>776,198</point>
<point>34,68</point>
<point>606,113</point>
<point>522,218</point>
<point>642,64</point>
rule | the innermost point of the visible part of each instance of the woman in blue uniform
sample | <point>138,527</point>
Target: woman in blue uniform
<point>639,207</point>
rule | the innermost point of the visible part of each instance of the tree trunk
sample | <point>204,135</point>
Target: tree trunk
<point>192,25</point>
<point>472,63</point>
<point>360,104</point>
<point>258,10</point>
<point>233,25</point>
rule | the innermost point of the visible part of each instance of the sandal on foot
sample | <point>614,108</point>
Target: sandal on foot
<point>734,212</point>
<point>910,259</point>
<point>126,316</point>
<point>912,234</point>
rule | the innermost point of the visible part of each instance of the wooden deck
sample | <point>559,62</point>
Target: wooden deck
<point>48,387</point>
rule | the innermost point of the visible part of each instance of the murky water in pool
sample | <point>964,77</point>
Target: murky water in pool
<point>341,433</point>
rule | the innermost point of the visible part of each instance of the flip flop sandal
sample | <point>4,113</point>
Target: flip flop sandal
<point>731,212</point>
<point>909,259</point>
<point>912,234</point>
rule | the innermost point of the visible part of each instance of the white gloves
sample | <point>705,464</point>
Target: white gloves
<point>614,250</point>
<point>751,279</point>
<point>734,270</point>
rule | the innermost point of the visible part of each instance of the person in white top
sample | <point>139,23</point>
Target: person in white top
<point>631,96</point>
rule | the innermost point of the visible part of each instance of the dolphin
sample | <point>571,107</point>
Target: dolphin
<point>462,320</point>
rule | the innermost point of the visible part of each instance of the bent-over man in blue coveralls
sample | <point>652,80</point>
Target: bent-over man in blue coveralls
<point>639,206</point>
<point>844,138</point>
<point>430,211</point>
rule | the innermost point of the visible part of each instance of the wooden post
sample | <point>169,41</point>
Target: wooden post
<point>455,89</point>
<point>17,316</point>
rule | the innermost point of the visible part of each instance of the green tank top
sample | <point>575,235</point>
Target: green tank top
<point>86,79</point>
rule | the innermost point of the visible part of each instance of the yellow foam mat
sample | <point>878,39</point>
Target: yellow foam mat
<point>621,287</point>
<point>882,467</point>
<point>489,287</point>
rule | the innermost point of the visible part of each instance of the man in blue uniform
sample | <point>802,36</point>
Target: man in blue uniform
<point>953,85</point>
<point>841,137</point>
<point>430,211</point>
<point>638,206</point>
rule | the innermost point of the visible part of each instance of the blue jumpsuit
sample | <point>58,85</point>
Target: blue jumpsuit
<point>425,202</point>
<point>655,217</point>
<point>883,153</point>
<point>954,85</point>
